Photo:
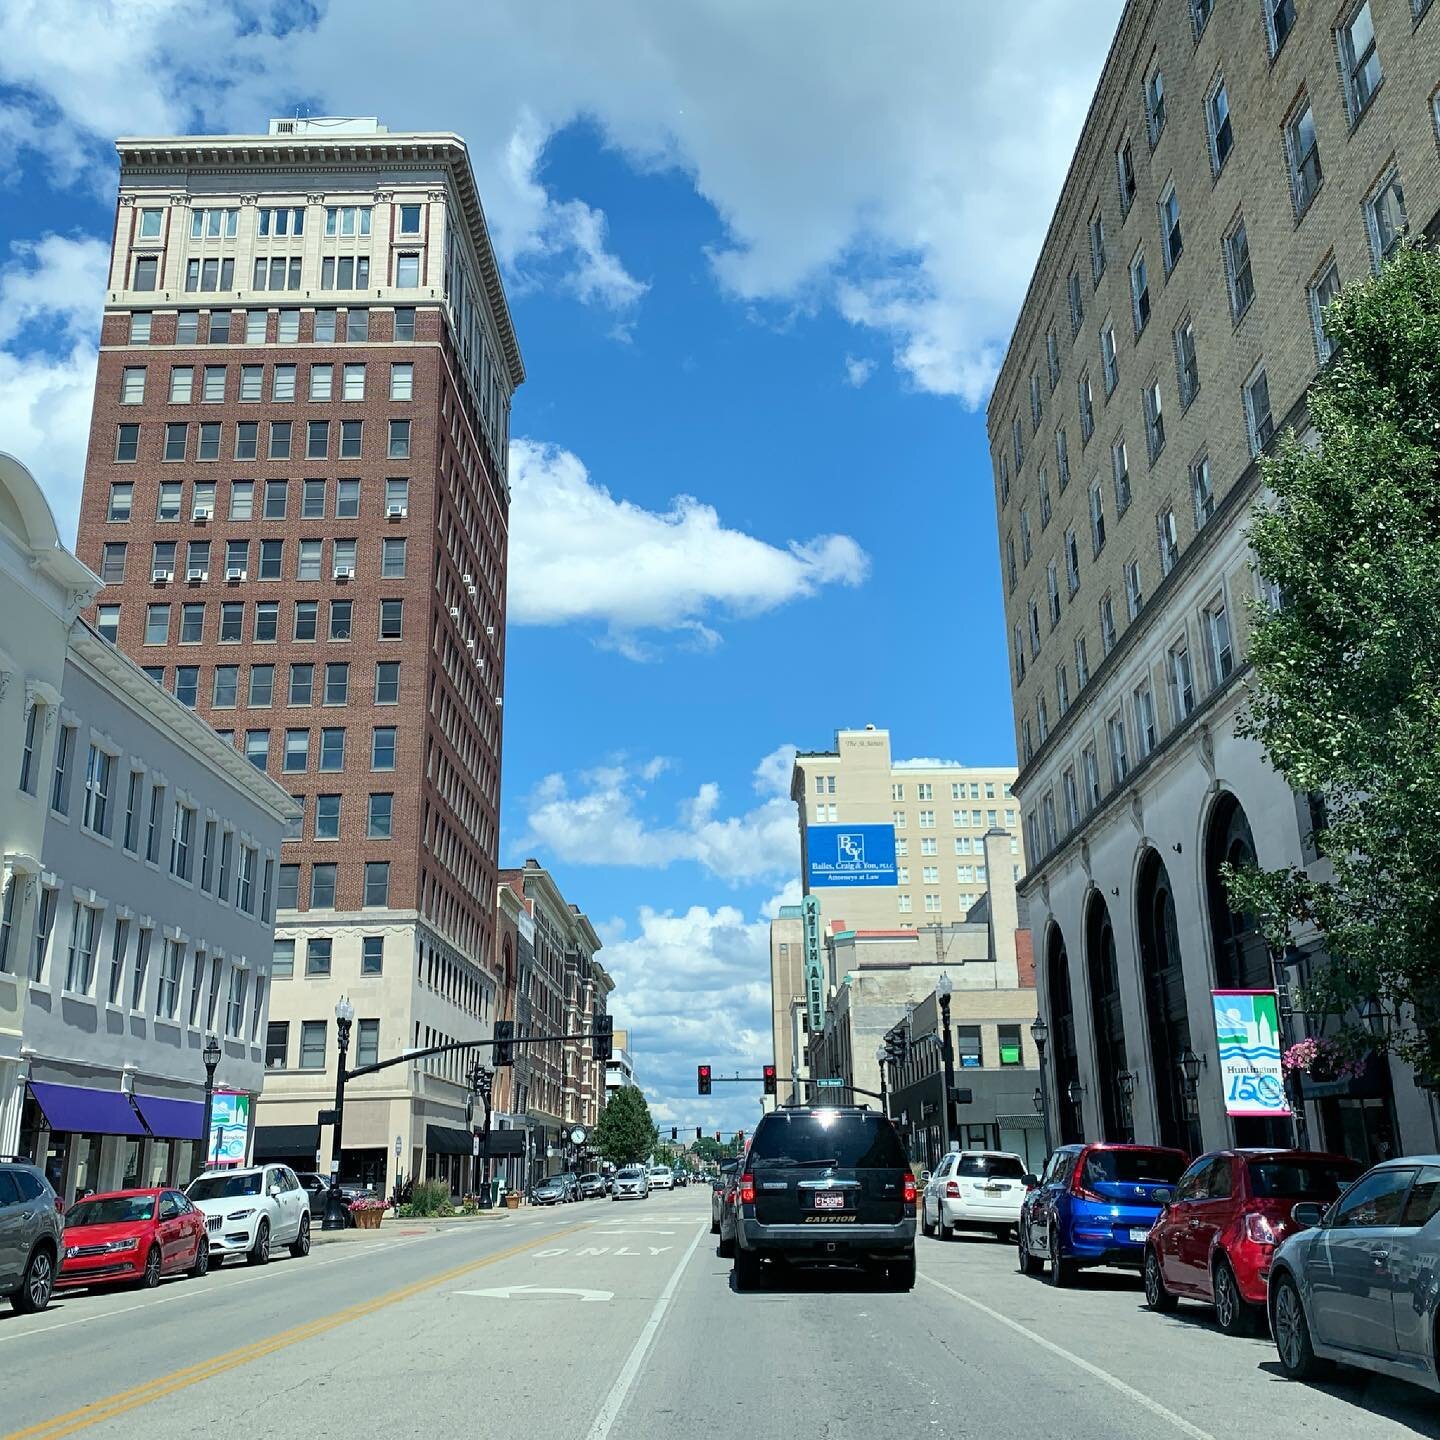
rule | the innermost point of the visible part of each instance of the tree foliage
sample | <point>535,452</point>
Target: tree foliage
<point>625,1134</point>
<point>1345,694</point>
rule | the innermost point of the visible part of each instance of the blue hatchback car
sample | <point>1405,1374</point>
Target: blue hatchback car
<point>1094,1205</point>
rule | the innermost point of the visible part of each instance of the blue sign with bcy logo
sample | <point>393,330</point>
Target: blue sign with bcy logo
<point>848,855</point>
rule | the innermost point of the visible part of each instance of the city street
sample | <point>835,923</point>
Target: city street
<point>600,1318</point>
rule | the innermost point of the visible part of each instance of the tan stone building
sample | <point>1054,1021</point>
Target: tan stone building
<point>789,1024</point>
<point>1238,164</point>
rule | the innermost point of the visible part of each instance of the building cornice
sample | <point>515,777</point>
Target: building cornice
<point>217,154</point>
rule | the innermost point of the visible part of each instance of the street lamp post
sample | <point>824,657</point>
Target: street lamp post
<point>211,1056</point>
<point>943,986</point>
<point>334,1210</point>
<point>1125,1081</point>
<point>1190,1073</point>
<point>1075,1093</point>
<point>1040,1033</point>
<point>880,1061</point>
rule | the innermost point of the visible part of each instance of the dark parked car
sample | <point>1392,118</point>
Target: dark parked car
<point>554,1191</point>
<point>826,1186</point>
<point>723,1190</point>
<point>592,1187</point>
<point>31,1236</point>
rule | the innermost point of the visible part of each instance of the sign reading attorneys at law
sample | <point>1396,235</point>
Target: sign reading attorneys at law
<point>1247,1035</point>
<point>851,855</point>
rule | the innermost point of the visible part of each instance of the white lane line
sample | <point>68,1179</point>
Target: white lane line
<point>1114,1382</point>
<point>610,1410</point>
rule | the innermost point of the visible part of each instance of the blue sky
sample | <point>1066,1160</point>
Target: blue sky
<point>762,265</point>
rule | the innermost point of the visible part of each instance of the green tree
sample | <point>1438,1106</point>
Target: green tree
<point>625,1134</point>
<point>1345,695</point>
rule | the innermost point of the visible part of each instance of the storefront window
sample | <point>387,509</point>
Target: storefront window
<point>158,1171</point>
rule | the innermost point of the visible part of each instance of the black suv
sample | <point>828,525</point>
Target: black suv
<point>826,1186</point>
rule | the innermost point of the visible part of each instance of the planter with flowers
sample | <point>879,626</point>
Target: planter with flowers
<point>1321,1060</point>
<point>368,1212</point>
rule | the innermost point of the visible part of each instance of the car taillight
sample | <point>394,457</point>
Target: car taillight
<point>59,1206</point>
<point>1260,1231</point>
<point>910,1192</point>
<point>747,1189</point>
<point>952,1189</point>
<point>1078,1188</point>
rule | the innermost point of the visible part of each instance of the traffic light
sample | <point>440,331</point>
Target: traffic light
<point>717,1137</point>
<point>674,1132</point>
<point>769,1073</point>
<point>702,1078</point>
<point>699,1133</point>
<point>739,1141</point>
<point>603,1038</point>
<point>504,1053</point>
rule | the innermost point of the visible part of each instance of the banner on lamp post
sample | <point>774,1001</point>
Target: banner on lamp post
<point>1247,1037</point>
<point>229,1129</point>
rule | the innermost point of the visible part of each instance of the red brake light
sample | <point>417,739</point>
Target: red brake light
<point>1259,1230</point>
<point>910,1191</point>
<point>1077,1187</point>
<point>59,1206</point>
<point>747,1189</point>
<point>952,1190</point>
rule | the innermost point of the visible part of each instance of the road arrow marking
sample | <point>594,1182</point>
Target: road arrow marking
<point>507,1292</point>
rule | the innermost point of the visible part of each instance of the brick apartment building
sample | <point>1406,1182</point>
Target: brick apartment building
<point>296,494</point>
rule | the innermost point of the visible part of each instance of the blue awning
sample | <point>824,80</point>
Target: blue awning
<point>74,1109</point>
<point>172,1119</point>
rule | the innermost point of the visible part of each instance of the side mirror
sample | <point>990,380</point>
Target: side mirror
<point>1307,1214</point>
<point>924,1177</point>
<point>1031,1182</point>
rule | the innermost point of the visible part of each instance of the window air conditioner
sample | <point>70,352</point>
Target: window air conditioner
<point>202,514</point>
<point>466,580</point>
<point>234,574</point>
<point>455,613</point>
<point>344,572</point>
<point>396,512</point>
<point>196,576</point>
<point>161,576</point>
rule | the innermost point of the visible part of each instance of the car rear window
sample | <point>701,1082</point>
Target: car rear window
<point>1005,1167</point>
<point>1133,1167</point>
<point>1320,1180</point>
<point>849,1142</point>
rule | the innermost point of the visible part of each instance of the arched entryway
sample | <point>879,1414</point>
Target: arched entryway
<point>1064,1061</point>
<point>1163,974</point>
<point>1112,1109</point>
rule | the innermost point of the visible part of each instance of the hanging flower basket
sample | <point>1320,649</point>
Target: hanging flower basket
<point>1321,1060</point>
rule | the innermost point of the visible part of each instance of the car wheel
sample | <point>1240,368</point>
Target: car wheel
<point>36,1284</point>
<point>201,1267</point>
<point>726,1248</point>
<point>1157,1297</point>
<point>1060,1271</point>
<point>747,1269</point>
<point>150,1277</point>
<point>926,1228</point>
<point>1029,1264</point>
<point>714,1227</point>
<point>901,1273</point>
<point>1231,1312</point>
<point>301,1248</point>
<point>259,1252</point>
<point>1292,1334</point>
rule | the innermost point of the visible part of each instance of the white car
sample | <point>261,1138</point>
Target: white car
<point>975,1190</point>
<point>631,1183</point>
<point>662,1178</point>
<point>248,1212</point>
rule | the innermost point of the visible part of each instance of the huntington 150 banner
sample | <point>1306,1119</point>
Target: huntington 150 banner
<point>1247,1033</point>
<point>851,855</point>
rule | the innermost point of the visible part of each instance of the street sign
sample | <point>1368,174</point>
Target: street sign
<point>831,1082</point>
<point>327,1117</point>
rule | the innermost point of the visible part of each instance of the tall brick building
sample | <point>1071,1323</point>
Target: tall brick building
<point>296,493</point>
<point>1238,164</point>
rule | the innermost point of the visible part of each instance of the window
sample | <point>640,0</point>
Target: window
<point>297,751</point>
<point>1082,663</point>
<point>187,327</point>
<point>317,439</point>
<point>176,438</point>
<point>1052,357</point>
<point>1171,243</point>
<point>1125,174</point>
<point>1202,492</point>
<point>1385,217</point>
<point>277,1042</point>
<point>140,327</point>
<point>322,887</point>
<point>1042,484</point>
<point>353,383</point>
<point>277,494</point>
<point>1139,291</point>
<point>377,882</point>
<point>1187,369</point>
<point>119,945</point>
<point>322,381</point>
<point>267,622</point>
<point>282,383</point>
<point>272,554</point>
<point>145,272</point>
<point>287,329</point>
<point>1134,592</point>
<point>182,381</point>
<point>347,220</point>
<point>352,436</point>
<point>242,499</point>
<point>1322,292</point>
<point>157,624</point>
<point>399,440</point>
<point>81,967</point>
<point>1119,756</point>
<point>387,682</point>
<point>378,822</point>
<point>1182,681</point>
<point>98,771</point>
<point>332,750</point>
<point>407,271</point>
<point>211,223</point>
<point>1034,614</point>
<point>278,272</point>
<point>392,558</point>
<point>1145,717</point>
<point>1010,569</point>
<point>112,563</point>
<point>1302,149</point>
<point>327,817</point>
<point>202,501</point>
<point>1072,561</point>
<point>1052,594</point>
<point>279,440</point>
<point>1217,123</point>
<point>1072,799</point>
<point>1108,361</point>
<point>285,220</point>
<point>1154,421</point>
<point>172,962</point>
<point>367,1042</point>
<point>1090,767</point>
<point>347,499</point>
<point>212,387</point>
<point>1034,399</point>
<point>312,1044</point>
<point>404,322</point>
<point>287,897</point>
<point>187,685</point>
<point>1026,548</point>
<point>1169,537</point>
<point>1374,1201</point>
<point>107,622</point>
<point>1019,662</point>
<point>127,449</point>
<point>345,272</point>
<point>1237,268</point>
<point>1120,470</point>
<point>1107,623</point>
<point>1004,480</point>
<point>1062,688</point>
<point>1279,22</point>
<point>181,835</point>
<point>209,448</point>
<point>1258,419</point>
<point>312,555</point>
<point>372,955</point>
<point>232,622</point>
<point>1217,633</point>
<point>382,748</point>
<point>305,613</point>
<point>340,619</point>
<point>1360,61</point>
<point>1087,407</point>
<point>132,385</point>
<point>392,615</point>
<point>1097,518</point>
<point>302,681</point>
<point>225,692</point>
<point>1155,104</point>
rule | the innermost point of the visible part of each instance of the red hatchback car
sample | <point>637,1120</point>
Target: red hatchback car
<point>1231,1209</point>
<point>133,1236</point>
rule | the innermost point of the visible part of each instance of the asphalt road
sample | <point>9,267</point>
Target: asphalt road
<point>597,1319</point>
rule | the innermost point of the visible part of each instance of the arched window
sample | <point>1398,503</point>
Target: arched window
<point>1164,977</point>
<point>1062,1035</point>
<point>1111,1105</point>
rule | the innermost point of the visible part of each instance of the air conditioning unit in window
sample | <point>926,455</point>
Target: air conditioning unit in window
<point>499,702</point>
<point>202,514</point>
<point>234,574</point>
<point>455,613</point>
<point>196,576</point>
<point>470,646</point>
<point>466,581</point>
<point>490,631</point>
<point>344,572</point>
<point>472,592</point>
<point>161,576</point>
<point>396,512</point>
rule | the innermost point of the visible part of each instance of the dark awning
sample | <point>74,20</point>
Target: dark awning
<point>506,1142</point>
<point>74,1109</point>
<point>279,1142</point>
<point>442,1140</point>
<point>172,1119</point>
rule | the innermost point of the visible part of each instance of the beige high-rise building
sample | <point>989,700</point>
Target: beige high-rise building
<point>1239,163</point>
<point>789,1023</point>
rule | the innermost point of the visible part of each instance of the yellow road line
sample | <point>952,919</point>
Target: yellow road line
<point>157,1389</point>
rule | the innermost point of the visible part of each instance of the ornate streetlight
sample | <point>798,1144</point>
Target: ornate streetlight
<point>1040,1033</point>
<point>211,1056</point>
<point>334,1210</point>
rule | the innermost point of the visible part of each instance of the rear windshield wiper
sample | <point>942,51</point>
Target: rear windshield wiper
<point>814,1164</point>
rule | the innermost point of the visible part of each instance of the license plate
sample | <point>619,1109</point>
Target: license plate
<point>1139,1236</point>
<point>829,1200</point>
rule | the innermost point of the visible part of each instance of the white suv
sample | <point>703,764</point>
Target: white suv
<point>662,1178</point>
<point>975,1190</point>
<point>249,1211</point>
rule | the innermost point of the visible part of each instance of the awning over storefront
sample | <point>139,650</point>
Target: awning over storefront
<point>506,1142</point>
<point>76,1110</point>
<point>442,1140</point>
<point>279,1142</point>
<point>172,1119</point>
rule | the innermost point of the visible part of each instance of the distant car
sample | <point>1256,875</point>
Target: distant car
<point>317,1187</point>
<point>249,1211</point>
<point>681,1179</point>
<point>631,1183</point>
<point>1216,1239</point>
<point>662,1178</point>
<point>31,1236</point>
<point>975,1190</point>
<point>134,1237</point>
<point>552,1191</point>
<point>1359,1286</point>
<point>572,1184</point>
<point>718,1187</point>
<point>592,1187</point>
<point>1094,1205</point>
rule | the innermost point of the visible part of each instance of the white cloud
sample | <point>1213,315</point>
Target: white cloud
<point>597,820</point>
<point>857,372</point>
<point>923,762</point>
<point>772,774</point>
<point>577,553</point>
